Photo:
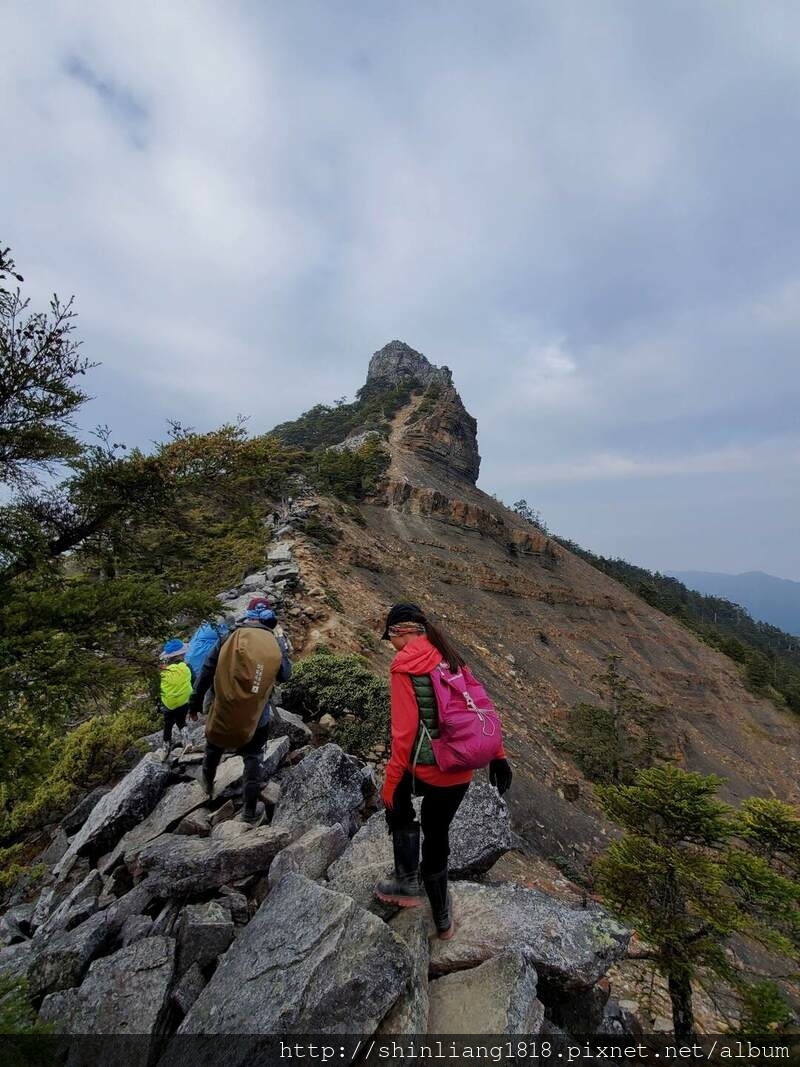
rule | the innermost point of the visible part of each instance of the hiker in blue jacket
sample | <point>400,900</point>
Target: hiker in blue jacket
<point>252,751</point>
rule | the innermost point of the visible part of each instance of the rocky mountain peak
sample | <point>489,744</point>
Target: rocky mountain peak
<point>397,362</point>
<point>438,430</point>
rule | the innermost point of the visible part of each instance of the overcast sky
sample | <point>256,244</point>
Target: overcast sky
<point>587,209</point>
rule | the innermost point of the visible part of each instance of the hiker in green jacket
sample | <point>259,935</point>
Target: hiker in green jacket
<point>176,688</point>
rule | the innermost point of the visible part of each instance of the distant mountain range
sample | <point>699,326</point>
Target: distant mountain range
<point>767,598</point>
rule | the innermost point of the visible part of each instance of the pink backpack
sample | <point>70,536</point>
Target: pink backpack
<point>469,726</point>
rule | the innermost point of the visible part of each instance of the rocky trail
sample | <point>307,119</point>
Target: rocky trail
<point>162,913</point>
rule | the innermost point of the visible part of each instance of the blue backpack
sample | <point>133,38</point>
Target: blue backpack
<point>203,640</point>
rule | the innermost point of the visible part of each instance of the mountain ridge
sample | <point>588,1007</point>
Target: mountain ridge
<point>765,596</point>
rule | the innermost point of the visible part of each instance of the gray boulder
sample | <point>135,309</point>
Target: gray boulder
<point>78,905</point>
<point>236,903</point>
<point>572,946</point>
<point>135,928</point>
<point>178,802</point>
<point>204,932</point>
<point>74,820</point>
<point>480,832</point>
<point>188,989</point>
<point>310,961</point>
<point>285,723</point>
<point>60,961</point>
<point>410,1012</point>
<point>15,925</point>
<point>15,960</point>
<point>326,787</point>
<point>55,850</point>
<point>181,866</point>
<point>280,552</point>
<point>126,993</point>
<point>311,854</point>
<point>257,580</point>
<point>276,751</point>
<point>196,822</point>
<point>127,804</point>
<point>46,901</point>
<point>497,997</point>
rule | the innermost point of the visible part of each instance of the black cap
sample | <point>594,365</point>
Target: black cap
<point>403,613</point>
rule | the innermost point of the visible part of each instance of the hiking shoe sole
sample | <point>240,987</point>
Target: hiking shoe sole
<point>400,901</point>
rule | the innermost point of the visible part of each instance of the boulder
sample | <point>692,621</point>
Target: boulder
<point>326,787</point>
<point>15,925</point>
<point>78,905</point>
<point>74,820</point>
<point>196,822</point>
<point>410,1012</point>
<point>310,961</point>
<point>127,804</point>
<point>257,580</point>
<point>222,814</point>
<point>285,723</point>
<point>60,961</point>
<point>497,997</point>
<point>480,832</point>
<point>230,829</point>
<point>178,802</point>
<point>180,866</point>
<point>280,552</point>
<point>55,850</point>
<point>276,751</point>
<point>126,993</point>
<point>236,903</point>
<point>204,932</point>
<point>47,900</point>
<point>189,988</point>
<point>571,946</point>
<point>15,960</point>
<point>135,928</point>
<point>311,854</point>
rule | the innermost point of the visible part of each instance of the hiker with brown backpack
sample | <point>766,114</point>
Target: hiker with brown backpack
<point>444,726</point>
<point>243,670</point>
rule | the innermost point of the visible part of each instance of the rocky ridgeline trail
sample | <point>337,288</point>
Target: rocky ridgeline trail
<point>162,913</point>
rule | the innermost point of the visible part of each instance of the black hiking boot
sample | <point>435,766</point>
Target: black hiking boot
<point>441,904</point>
<point>208,780</point>
<point>252,813</point>
<point>403,888</point>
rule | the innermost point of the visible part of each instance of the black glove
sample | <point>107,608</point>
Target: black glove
<point>500,774</point>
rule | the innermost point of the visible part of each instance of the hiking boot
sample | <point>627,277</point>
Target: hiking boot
<point>253,817</point>
<point>163,752</point>
<point>402,887</point>
<point>441,904</point>
<point>208,782</point>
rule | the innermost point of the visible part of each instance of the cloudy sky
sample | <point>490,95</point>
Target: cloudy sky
<point>588,209</point>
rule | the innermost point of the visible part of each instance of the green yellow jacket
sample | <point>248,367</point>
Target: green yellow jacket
<point>176,685</point>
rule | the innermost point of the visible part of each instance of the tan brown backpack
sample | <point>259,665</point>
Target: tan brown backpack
<point>248,665</point>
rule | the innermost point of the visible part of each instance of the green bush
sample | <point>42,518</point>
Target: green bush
<point>18,1016</point>
<point>84,758</point>
<point>765,1010</point>
<point>335,683</point>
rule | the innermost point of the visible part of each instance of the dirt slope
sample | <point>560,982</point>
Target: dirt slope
<point>538,624</point>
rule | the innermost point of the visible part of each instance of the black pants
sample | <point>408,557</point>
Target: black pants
<point>439,806</point>
<point>250,753</point>
<point>173,717</point>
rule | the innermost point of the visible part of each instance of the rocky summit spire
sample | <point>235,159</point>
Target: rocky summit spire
<point>439,431</point>
<point>397,362</point>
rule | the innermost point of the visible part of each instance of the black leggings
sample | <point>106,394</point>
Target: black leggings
<point>250,752</point>
<point>439,806</point>
<point>173,717</point>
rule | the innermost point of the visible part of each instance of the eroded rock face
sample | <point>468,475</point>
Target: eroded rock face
<point>325,788</point>
<point>127,804</point>
<point>446,435</point>
<point>310,961</point>
<point>497,997</point>
<point>569,945</point>
<point>126,993</point>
